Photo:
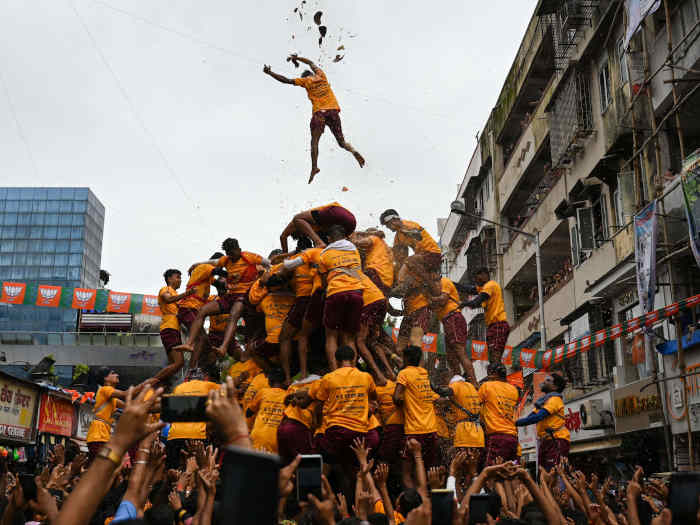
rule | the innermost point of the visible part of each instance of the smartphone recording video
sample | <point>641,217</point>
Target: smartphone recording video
<point>442,501</point>
<point>183,409</point>
<point>309,476</point>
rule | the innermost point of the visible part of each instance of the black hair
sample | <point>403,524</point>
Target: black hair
<point>336,230</point>
<point>409,499</point>
<point>169,273</point>
<point>378,519</point>
<point>275,375</point>
<point>101,374</point>
<point>559,382</point>
<point>303,243</point>
<point>412,355</point>
<point>344,353</point>
<point>276,279</point>
<point>496,369</point>
<point>306,73</point>
<point>274,252</point>
<point>160,515</point>
<point>483,270</point>
<point>230,245</point>
<point>387,213</point>
<point>217,255</point>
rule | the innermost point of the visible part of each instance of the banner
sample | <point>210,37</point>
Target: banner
<point>48,295</point>
<point>637,11</point>
<point>56,415</point>
<point>83,299</point>
<point>690,183</point>
<point>645,255</point>
<point>430,340</point>
<point>17,405</point>
<point>13,293</point>
<point>119,302</point>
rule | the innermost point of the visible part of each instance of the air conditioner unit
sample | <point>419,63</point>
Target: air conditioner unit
<point>592,413</point>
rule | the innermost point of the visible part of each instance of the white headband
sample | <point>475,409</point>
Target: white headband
<point>390,218</point>
<point>457,379</point>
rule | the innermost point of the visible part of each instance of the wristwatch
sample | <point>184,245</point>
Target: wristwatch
<point>108,453</point>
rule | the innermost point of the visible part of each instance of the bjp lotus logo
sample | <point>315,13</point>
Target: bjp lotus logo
<point>558,353</point>
<point>151,302</point>
<point>13,291</point>
<point>83,297</point>
<point>118,299</point>
<point>478,350</point>
<point>47,295</point>
<point>428,339</point>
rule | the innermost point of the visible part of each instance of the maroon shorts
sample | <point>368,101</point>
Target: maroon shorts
<point>295,316</point>
<point>551,451</point>
<point>420,317</point>
<point>391,444</point>
<point>373,314</point>
<point>227,301</point>
<point>215,338</point>
<point>293,437</point>
<point>342,311</point>
<point>374,277</point>
<point>496,337</point>
<point>314,310</point>
<point>335,445</point>
<point>501,445</point>
<point>372,440</point>
<point>186,315</point>
<point>428,445</point>
<point>455,329</point>
<point>335,215</point>
<point>265,348</point>
<point>170,338</point>
<point>327,117</point>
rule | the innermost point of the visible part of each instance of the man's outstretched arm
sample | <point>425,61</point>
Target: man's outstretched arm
<point>306,61</point>
<point>276,76</point>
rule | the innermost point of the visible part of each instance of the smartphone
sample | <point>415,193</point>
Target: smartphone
<point>183,409</point>
<point>249,486</point>
<point>683,496</point>
<point>28,485</point>
<point>482,504</point>
<point>309,476</point>
<point>442,501</point>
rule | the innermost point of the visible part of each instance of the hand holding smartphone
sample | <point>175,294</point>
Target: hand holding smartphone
<point>183,409</point>
<point>309,476</point>
<point>443,505</point>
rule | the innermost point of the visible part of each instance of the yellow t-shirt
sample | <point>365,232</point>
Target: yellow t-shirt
<point>239,367</point>
<point>379,509</point>
<point>275,305</point>
<point>389,413</point>
<point>498,411</point>
<point>380,258</point>
<point>334,263</point>
<point>413,302</point>
<point>555,420</point>
<point>100,431</point>
<point>494,309</point>
<point>370,292</point>
<point>217,323</point>
<point>312,259</point>
<point>258,383</point>
<point>319,91</point>
<point>200,280</point>
<point>268,406</point>
<point>305,416</point>
<point>242,273</point>
<point>418,408</point>
<point>196,430</point>
<point>467,433</point>
<point>448,287</point>
<point>168,311</point>
<point>426,244</point>
<point>345,393</point>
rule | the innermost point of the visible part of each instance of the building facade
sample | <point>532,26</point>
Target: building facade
<point>592,123</point>
<point>48,236</point>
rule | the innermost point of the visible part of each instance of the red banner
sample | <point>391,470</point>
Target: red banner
<point>430,340</point>
<point>48,295</point>
<point>150,305</point>
<point>119,302</point>
<point>13,293</point>
<point>84,298</point>
<point>56,416</point>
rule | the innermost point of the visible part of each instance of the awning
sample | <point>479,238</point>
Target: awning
<point>602,444</point>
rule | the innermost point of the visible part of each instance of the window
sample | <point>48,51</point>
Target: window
<point>575,255</point>
<point>76,246</point>
<point>44,272</point>
<point>622,58</point>
<point>24,219</point>
<point>65,206</point>
<point>26,194</point>
<point>20,259</point>
<point>77,232</point>
<point>604,84</point>
<point>47,260</point>
<point>7,246</point>
<point>52,219</point>
<point>50,232</point>
<point>60,272</point>
<point>12,206</point>
<point>39,206</point>
<point>53,193</point>
<point>586,229</point>
<point>64,233</point>
<point>33,260</point>
<point>76,260</point>
<point>67,193</point>
<point>38,219</point>
<point>25,206</point>
<point>32,272</point>
<point>78,220</point>
<point>52,206</point>
<point>21,246</point>
<point>62,246</point>
<point>35,232</point>
<point>49,246</point>
<point>9,232</point>
<point>10,219</point>
<point>74,273</point>
<point>601,221</point>
<point>80,206</point>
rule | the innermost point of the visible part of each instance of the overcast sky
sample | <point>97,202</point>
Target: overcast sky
<point>161,107</point>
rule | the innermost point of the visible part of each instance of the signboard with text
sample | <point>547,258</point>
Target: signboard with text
<point>637,409</point>
<point>17,407</point>
<point>56,415</point>
<point>85,417</point>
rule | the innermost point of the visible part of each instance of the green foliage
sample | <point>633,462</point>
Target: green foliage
<point>79,370</point>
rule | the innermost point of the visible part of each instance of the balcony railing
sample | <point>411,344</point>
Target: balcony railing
<point>124,339</point>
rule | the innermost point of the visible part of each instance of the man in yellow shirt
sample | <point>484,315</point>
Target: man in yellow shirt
<point>415,321</point>
<point>267,409</point>
<point>423,267</point>
<point>295,433</point>
<point>198,383</point>
<point>243,372</point>
<point>378,259</point>
<point>553,437</point>
<point>414,394</point>
<point>169,325</point>
<point>490,298</point>
<point>325,108</point>
<point>500,400</point>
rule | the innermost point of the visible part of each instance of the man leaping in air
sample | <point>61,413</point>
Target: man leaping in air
<point>325,110</point>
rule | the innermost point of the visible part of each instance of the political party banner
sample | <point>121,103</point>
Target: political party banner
<point>690,183</point>
<point>13,293</point>
<point>48,295</point>
<point>83,298</point>
<point>119,302</point>
<point>645,255</point>
<point>149,305</point>
<point>637,11</point>
<point>56,415</point>
<point>430,341</point>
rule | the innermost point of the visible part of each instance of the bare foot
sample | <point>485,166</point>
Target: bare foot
<point>314,171</point>
<point>360,159</point>
<point>184,348</point>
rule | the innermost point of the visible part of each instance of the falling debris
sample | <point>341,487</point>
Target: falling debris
<point>322,30</point>
<point>340,48</point>
<point>317,17</point>
<point>338,58</point>
<point>345,188</point>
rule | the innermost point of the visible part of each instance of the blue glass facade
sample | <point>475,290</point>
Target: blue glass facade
<point>49,236</point>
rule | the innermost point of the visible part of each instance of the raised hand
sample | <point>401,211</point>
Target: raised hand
<point>224,411</point>
<point>286,477</point>
<point>434,478</point>
<point>342,505</point>
<point>361,451</point>
<point>326,505</point>
<point>458,460</point>
<point>381,474</point>
<point>134,424</point>
<point>634,487</point>
<point>175,500</point>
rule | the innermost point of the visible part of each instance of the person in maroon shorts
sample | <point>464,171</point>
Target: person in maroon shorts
<point>294,435</point>
<point>325,108</point>
<point>500,400</point>
<point>316,222</point>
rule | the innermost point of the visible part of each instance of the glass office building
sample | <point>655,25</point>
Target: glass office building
<point>48,236</point>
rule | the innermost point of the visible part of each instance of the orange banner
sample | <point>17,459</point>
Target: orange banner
<point>430,341</point>
<point>119,302</point>
<point>55,415</point>
<point>48,296</point>
<point>150,305</point>
<point>13,293</point>
<point>84,298</point>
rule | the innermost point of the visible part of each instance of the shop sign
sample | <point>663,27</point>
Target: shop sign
<point>527,436</point>
<point>17,406</point>
<point>85,417</point>
<point>55,415</point>
<point>637,409</point>
<point>675,396</point>
<point>574,417</point>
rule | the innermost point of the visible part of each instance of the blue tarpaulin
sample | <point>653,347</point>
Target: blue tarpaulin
<point>671,347</point>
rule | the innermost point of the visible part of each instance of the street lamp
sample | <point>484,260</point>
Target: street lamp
<point>459,208</point>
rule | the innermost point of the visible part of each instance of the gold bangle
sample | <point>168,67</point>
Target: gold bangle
<point>108,453</point>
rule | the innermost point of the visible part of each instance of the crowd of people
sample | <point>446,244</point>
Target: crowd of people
<point>315,373</point>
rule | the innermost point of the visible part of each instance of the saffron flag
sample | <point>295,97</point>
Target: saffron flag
<point>48,295</point>
<point>13,293</point>
<point>84,299</point>
<point>118,302</point>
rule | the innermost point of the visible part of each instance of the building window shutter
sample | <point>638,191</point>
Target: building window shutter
<point>586,231</point>
<point>574,246</point>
